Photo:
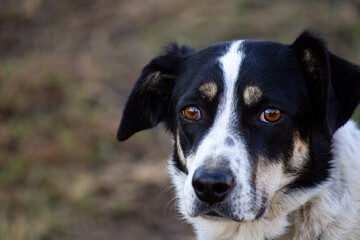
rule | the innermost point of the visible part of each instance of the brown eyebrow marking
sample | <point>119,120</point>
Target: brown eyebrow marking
<point>252,95</point>
<point>208,90</point>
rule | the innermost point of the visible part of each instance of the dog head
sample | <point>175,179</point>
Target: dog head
<point>249,118</point>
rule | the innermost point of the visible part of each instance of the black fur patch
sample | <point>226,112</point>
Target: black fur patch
<point>149,101</point>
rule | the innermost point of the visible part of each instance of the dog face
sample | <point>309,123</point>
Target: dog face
<point>236,149</point>
<point>250,119</point>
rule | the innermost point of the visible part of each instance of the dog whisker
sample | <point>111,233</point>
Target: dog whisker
<point>163,192</point>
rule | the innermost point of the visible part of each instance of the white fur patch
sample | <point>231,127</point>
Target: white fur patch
<point>268,176</point>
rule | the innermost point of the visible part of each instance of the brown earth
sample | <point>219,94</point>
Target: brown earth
<point>66,69</point>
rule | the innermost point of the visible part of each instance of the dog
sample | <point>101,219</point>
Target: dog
<point>264,147</point>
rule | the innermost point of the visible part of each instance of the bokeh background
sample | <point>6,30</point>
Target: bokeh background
<point>66,68</point>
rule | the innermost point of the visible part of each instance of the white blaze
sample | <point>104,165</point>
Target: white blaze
<point>213,147</point>
<point>213,143</point>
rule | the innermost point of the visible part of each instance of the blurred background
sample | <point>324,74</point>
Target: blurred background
<point>66,69</point>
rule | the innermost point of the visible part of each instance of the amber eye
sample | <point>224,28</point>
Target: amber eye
<point>191,113</point>
<point>270,115</point>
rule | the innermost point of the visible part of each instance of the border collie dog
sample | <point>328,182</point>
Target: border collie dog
<point>263,144</point>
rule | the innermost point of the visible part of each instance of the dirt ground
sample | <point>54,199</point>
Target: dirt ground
<point>144,186</point>
<point>66,69</point>
<point>136,194</point>
<point>151,212</point>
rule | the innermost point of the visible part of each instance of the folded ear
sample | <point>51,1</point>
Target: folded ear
<point>333,83</point>
<point>149,101</point>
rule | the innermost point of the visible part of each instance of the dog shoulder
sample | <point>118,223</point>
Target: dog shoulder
<point>334,212</point>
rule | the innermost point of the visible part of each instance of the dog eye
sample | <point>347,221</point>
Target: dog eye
<point>191,113</point>
<point>270,115</point>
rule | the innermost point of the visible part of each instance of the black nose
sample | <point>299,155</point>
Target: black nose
<point>212,186</point>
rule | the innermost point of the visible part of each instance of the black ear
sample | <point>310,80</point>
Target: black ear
<point>345,80</point>
<point>149,101</point>
<point>333,83</point>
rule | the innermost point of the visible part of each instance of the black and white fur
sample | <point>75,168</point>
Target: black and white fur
<point>296,178</point>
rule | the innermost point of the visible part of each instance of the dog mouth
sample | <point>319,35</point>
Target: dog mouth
<point>216,216</point>
<point>224,212</point>
<point>209,212</point>
<point>213,214</point>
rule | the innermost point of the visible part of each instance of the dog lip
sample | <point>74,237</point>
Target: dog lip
<point>210,213</point>
<point>213,214</point>
<point>216,212</point>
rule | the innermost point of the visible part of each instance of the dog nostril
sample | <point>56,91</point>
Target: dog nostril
<point>198,186</point>
<point>212,186</point>
<point>221,188</point>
